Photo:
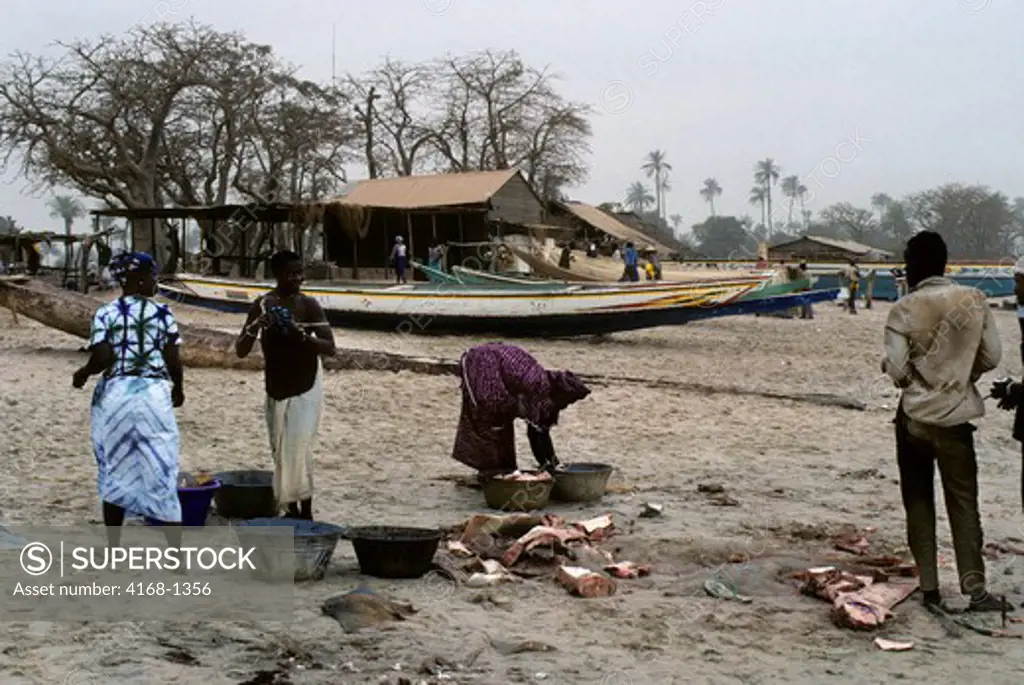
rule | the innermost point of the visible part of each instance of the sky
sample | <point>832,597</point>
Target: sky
<point>853,96</point>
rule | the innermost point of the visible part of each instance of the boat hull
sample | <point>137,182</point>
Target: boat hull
<point>465,311</point>
<point>885,289</point>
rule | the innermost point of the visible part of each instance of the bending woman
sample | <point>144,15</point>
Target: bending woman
<point>134,345</point>
<point>501,383</point>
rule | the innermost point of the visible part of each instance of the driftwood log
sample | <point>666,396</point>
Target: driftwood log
<point>204,347</point>
<point>210,348</point>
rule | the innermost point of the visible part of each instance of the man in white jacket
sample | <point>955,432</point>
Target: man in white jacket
<point>939,340</point>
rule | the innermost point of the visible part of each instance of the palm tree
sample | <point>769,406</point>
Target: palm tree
<point>766,174</point>
<point>665,187</point>
<point>676,219</point>
<point>790,184</point>
<point>66,208</point>
<point>758,194</point>
<point>638,197</point>
<point>709,191</point>
<point>656,166</point>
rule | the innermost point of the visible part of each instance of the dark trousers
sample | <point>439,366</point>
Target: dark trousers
<point>807,311</point>
<point>918,449</point>
<point>852,302</point>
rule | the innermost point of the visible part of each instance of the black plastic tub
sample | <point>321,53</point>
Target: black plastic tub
<point>394,552</point>
<point>245,495</point>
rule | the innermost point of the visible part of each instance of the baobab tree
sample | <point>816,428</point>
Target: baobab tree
<point>709,191</point>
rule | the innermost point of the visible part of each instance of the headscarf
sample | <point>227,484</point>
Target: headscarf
<point>125,263</point>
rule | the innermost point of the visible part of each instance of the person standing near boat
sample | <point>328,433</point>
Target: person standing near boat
<point>939,339</point>
<point>294,334</point>
<point>400,258</point>
<point>435,257</point>
<point>501,383</point>
<point>806,309</point>
<point>853,277</point>
<point>631,260</point>
<point>134,345</point>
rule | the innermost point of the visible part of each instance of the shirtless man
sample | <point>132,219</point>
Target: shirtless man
<point>294,334</point>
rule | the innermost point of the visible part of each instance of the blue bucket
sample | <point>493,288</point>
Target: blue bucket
<point>314,546</point>
<point>195,505</point>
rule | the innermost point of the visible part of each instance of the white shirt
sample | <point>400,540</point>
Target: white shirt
<point>399,250</point>
<point>939,339</point>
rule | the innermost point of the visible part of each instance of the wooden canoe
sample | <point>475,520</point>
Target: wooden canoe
<point>515,313</point>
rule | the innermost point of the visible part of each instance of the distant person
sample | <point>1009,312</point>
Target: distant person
<point>631,261</point>
<point>939,340</point>
<point>294,334</point>
<point>652,259</point>
<point>806,309</point>
<point>592,250</point>
<point>565,258</point>
<point>869,290</point>
<point>400,258</point>
<point>435,257</point>
<point>901,282</point>
<point>853,278</point>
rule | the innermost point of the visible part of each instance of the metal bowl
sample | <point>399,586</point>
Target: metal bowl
<point>583,482</point>
<point>510,495</point>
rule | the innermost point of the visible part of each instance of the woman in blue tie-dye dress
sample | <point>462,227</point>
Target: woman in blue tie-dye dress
<point>134,345</point>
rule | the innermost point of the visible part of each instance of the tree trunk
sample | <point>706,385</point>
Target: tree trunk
<point>712,203</point>
<point>203,347</point>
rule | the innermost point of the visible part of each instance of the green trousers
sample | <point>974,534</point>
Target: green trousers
<point>918,449</point>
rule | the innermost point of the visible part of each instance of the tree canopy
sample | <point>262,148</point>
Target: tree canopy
<point>185,114</point>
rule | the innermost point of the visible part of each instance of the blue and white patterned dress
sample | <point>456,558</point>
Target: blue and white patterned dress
<point>134,432</point>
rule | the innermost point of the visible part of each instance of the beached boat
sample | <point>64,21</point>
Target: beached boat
<point>484,279</point>
<point>994,283</point>
<point>428,309</point>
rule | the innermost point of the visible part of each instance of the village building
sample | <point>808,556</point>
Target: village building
<point>810,248</point>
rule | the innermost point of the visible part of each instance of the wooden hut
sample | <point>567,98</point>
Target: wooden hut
<point>463,210</point>
<point>593,223</point>
<point>811,248</point>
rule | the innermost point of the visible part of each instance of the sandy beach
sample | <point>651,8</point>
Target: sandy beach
<point>800,472</point>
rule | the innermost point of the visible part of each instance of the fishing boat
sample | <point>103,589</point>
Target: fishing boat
<point>484,279</point>
<point>992,282</point>
<point>437,309</point>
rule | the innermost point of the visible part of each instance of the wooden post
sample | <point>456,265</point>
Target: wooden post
<point>408,229</point>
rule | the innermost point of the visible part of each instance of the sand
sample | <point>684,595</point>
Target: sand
<point>799,472</point>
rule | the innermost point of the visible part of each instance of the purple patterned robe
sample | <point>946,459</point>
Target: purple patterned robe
<point>501,383</point>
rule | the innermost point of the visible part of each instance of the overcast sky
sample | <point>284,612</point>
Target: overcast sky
<point>854,96</point>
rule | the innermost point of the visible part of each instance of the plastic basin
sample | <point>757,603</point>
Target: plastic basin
<point>195,505</point>
<point>314,546</point>
<point>245,494</point>
<point>510,495</point>
<point>394,552</point>
<point>581,482</point>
